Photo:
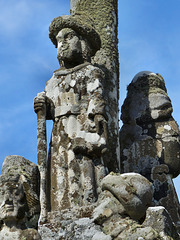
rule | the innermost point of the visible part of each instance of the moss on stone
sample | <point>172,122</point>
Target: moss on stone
<point>103,15</point>
<point>79,24</point>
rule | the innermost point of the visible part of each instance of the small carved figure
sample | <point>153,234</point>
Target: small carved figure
<point>149,138</point>
<point>132,191</point>
<point>15,165</point>
<point>122,206</point>
<point>124,211</point>
<point>14,210</point>
<point>74,99</point>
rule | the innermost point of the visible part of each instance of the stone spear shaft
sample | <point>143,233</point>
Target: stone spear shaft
<point>42,158</point>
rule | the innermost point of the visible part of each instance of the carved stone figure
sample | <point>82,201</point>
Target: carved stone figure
<point>123,212</point>
<point>75,101</point>
<point>79,199</point>
<point>149,138</point>
<point>15,165</point>
<point>19,199</point>
<point>133,194</point>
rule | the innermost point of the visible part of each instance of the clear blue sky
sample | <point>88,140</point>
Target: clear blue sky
<point>149,39</point>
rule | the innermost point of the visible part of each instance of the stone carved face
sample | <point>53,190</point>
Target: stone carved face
<point>148,125</point>
<point>151,107</point>
<point>68,46</point>
<point>147,100</point>
<point>133,191</point>
<point>12,200</point>
<point>159,105</point>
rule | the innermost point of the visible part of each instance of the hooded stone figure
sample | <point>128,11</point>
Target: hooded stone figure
<point>75,101</point>
<point>149,138</point>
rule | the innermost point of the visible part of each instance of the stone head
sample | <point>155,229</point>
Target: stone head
<point>146,100</point>
<point>149,125</point>
<point>133,191</point>
<point>20,182</point>
<point>76,41</point>
<point>12,198</point>
<point>71,47</point>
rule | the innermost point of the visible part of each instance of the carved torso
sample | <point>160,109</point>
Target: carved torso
<point>74,91</point>
<point>77,95</point>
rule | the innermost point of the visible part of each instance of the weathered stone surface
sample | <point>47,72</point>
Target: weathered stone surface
<point>113,215</point>
<point>82,100</point>
<point>103,15</point>
<point>122,210</point>
<point>108,205</point>
<point>73,4</point>
<point>30,234</point>
<point>132,190</point>
<point>14,166</point>
<point>42,156</point>
<point>158,218</point>
<point>135,232</point>
<point>150,138</point>
<point>82,228</point>
<point>75,100</point>
<point>123,201</point>
<point>80,25</point>
<point>78,137</point>
<point>19,199</point>
<point>146,114</point>
<point>79,200</point>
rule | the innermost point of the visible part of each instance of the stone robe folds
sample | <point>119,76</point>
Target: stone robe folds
<point>75,163</point>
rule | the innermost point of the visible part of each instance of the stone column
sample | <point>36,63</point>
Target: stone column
<point>102,14</point>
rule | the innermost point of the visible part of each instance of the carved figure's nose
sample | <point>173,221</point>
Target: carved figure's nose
<point>8,198</point>
<point>60,44</point>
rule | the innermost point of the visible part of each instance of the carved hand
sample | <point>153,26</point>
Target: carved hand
<point>39,103</point>
<point>43,103</point>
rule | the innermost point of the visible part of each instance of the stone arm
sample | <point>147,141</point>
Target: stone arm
<point>100,117</point>
<point>96,106</point>
<point>41,102</point>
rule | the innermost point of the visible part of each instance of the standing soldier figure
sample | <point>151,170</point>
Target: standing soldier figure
<point>74,99</point>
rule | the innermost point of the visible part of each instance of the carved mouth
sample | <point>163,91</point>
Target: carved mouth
<point>9,208</point>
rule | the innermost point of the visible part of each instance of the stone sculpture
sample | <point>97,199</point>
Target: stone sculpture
<point>82,194</point>
<point>123,210</point>
<point>19,203</point>
<point>75,100</point>
<point>149,138</point>
<point>80,201</point>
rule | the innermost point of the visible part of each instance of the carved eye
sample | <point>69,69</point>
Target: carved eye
<point>17,193</point>
<point>70,35</point>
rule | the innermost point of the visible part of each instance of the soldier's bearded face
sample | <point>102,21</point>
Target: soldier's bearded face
<point>12,201</point>
<point>69,46</point>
